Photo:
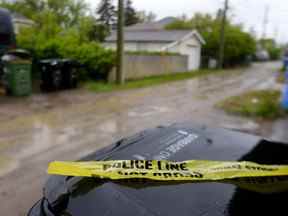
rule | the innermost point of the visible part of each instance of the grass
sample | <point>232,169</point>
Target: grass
<point>259,104</point>
<point>280,76</point>
<point>149,81</point>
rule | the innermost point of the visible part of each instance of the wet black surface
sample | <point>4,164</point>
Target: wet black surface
<point>87,196</point>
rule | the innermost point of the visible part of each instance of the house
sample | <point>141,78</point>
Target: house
<point>154,37</point>
<point>20,21</point>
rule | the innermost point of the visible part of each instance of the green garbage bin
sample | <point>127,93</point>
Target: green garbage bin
<point>17,76</point>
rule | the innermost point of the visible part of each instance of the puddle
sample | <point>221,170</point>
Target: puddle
<point>148,111</point>
<point>109,126</point>
<point>41,139</point>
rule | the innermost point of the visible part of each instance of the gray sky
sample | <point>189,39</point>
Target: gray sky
<point>248,12</point>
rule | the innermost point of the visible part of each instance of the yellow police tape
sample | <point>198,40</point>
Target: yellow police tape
<point>247,175</point>
<point>193,170</point>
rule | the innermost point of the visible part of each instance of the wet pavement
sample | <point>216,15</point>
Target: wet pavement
<point>69,125</point>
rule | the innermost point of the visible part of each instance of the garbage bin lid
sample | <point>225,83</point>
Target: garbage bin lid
<point>78,196</point>
<point>51,61</point>
<point>20,53</point>
<point>60,62</point>
<point>16,55</point>
<point>56,60</point>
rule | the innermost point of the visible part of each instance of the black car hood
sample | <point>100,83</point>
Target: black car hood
<point>88,196</point>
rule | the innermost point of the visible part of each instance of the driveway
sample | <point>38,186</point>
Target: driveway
<point>69,125</point>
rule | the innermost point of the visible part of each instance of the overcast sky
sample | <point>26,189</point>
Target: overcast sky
<point>248,12</point>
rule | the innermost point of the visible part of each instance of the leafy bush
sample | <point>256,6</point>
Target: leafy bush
<point>63,29</point>
<point>96,60</point>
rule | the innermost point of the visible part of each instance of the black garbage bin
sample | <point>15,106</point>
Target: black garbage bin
<point>51,74</point>
<point>69,74</point>
<point>57,74</point>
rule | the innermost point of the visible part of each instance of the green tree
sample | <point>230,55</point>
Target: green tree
<point>179,25</point>
<point>202,22</point>
<point>63,30</point>
<point>239,44</point>
<point>28,8</point>
<point>53,16</point>
<point>131,16</point>
<point>145,16</point>
<point>91,30</point>
<point>271,46</point>
<point>107,13</point>
<point>66,12</point>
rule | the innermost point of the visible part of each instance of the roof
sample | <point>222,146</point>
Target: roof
<point>167,20</point>
<point>150,36</point>
<point>154,32</point>
<point>145,26</point>
<point>159,25</point>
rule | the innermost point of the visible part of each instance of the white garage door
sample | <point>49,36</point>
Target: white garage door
<point>194,57</point>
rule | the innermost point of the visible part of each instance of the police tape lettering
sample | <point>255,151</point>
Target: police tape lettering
<point>193,170</point>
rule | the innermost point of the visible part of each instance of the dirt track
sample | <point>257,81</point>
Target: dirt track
<point>69,125</point>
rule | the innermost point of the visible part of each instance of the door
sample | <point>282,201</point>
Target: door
<point>193,57</point>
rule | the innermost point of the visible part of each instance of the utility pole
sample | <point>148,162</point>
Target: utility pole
<point>120,44</point>
<point>222,35</point>
<point>265,21</point>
